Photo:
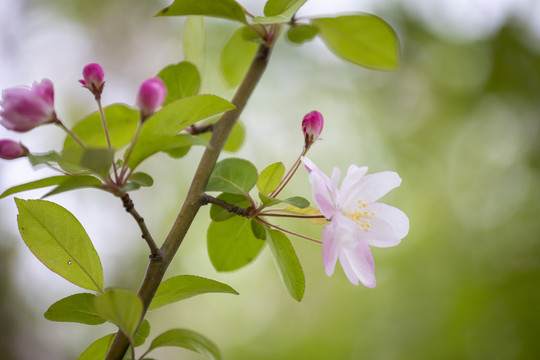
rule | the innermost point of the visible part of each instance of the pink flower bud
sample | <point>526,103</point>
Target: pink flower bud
<point>312,126</point>
<point>10,149</point>
<point>152,94</point>
<point>25,108</point>
<point>93,79</point>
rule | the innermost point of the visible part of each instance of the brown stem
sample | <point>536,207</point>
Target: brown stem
<point>199,129</point>
<point>158,266</point>
<point>207,199</point>
<point>128,205</point>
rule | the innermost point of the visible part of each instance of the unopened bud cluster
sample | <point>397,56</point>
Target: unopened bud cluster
<point>25,108</point>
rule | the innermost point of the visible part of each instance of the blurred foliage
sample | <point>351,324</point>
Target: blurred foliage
<point>461,121</point>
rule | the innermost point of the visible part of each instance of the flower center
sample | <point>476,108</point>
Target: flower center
<point>361,217</point>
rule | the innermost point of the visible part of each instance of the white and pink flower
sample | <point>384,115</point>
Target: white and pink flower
<point>356,219</point>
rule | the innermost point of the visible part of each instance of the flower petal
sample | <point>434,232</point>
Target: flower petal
<point>393,216</point>
<point>372,187</point>
<point>358,265</point>
<point>321,195</point>
<point>350,182</point>
<point>330,250</point>
<point>311,167</point>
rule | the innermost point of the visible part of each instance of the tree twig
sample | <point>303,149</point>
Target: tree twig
<point>130,208</point>
<point>208,199</point>
<point>157,266</point>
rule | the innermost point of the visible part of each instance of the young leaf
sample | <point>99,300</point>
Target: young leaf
<point>142,179</point>
<point>121,307</point>
<point>185,286</point>
<point>98,349</point>
<point>217,213</point>
<point>152,144</point>
<point>270,178</point>
<point>142,333</point>
<point>179,114</point>
<point>187,339</point>
<point>236,138</point>
<point>269,201</point>
<point>75,182</point>
<point>236,57</point>
<point>287,263</point>
<point>299,34</point>
<point>297,201</point>
<point>310,211</point>
<point>279,11</point>
<point>233,175</point>
<point>60,242</point>
<point>121,124</point>
<point>75,308</point>
<point>231,243</point>
<point>226,9</point>
<point>38,184</point>
<point>193,41</point>
<point>258,230</point>
<point>182,80</point>
<point>365,40</point>
<point>234,141</point>
<point>98,160</point>
<point>51,156</point>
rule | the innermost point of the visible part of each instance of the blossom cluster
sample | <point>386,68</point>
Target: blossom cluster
<point>25,108</point>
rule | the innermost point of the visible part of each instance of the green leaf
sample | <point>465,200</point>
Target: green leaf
<point>270,178</point>
<point>98,349</point>
<point>75,308</point>
<point>37,184</point>
<point>187,339</point>
<point>181,151</point>
<point>236,138</point>
<point>182,80</point>
<point>60,242</point>
<point>217,213</point>
<point>193,41</point>
<point>122,308</point>
<point>299,34</point>
<point>232,244</point>
<point>174,145</point>
<point>185,286</point>
<point>142,179</point>
<point>121,124</point>
<point>233,175</point>
<point>226,9</point>
<point>142,333</point>
<point>287,263</point>
<point>236,57</point>
<point>75,182</point>
<point>98,160</point>
<point>269,201</point>
<point>279,11</point>
<point>297,201</point>
<point>234,141</point>
<point>365,40</point>
<point>179,114</point>
<point>51,156</point>
<point>258,230</point>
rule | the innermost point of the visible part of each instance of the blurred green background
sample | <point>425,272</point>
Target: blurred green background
<point>459,121</point>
